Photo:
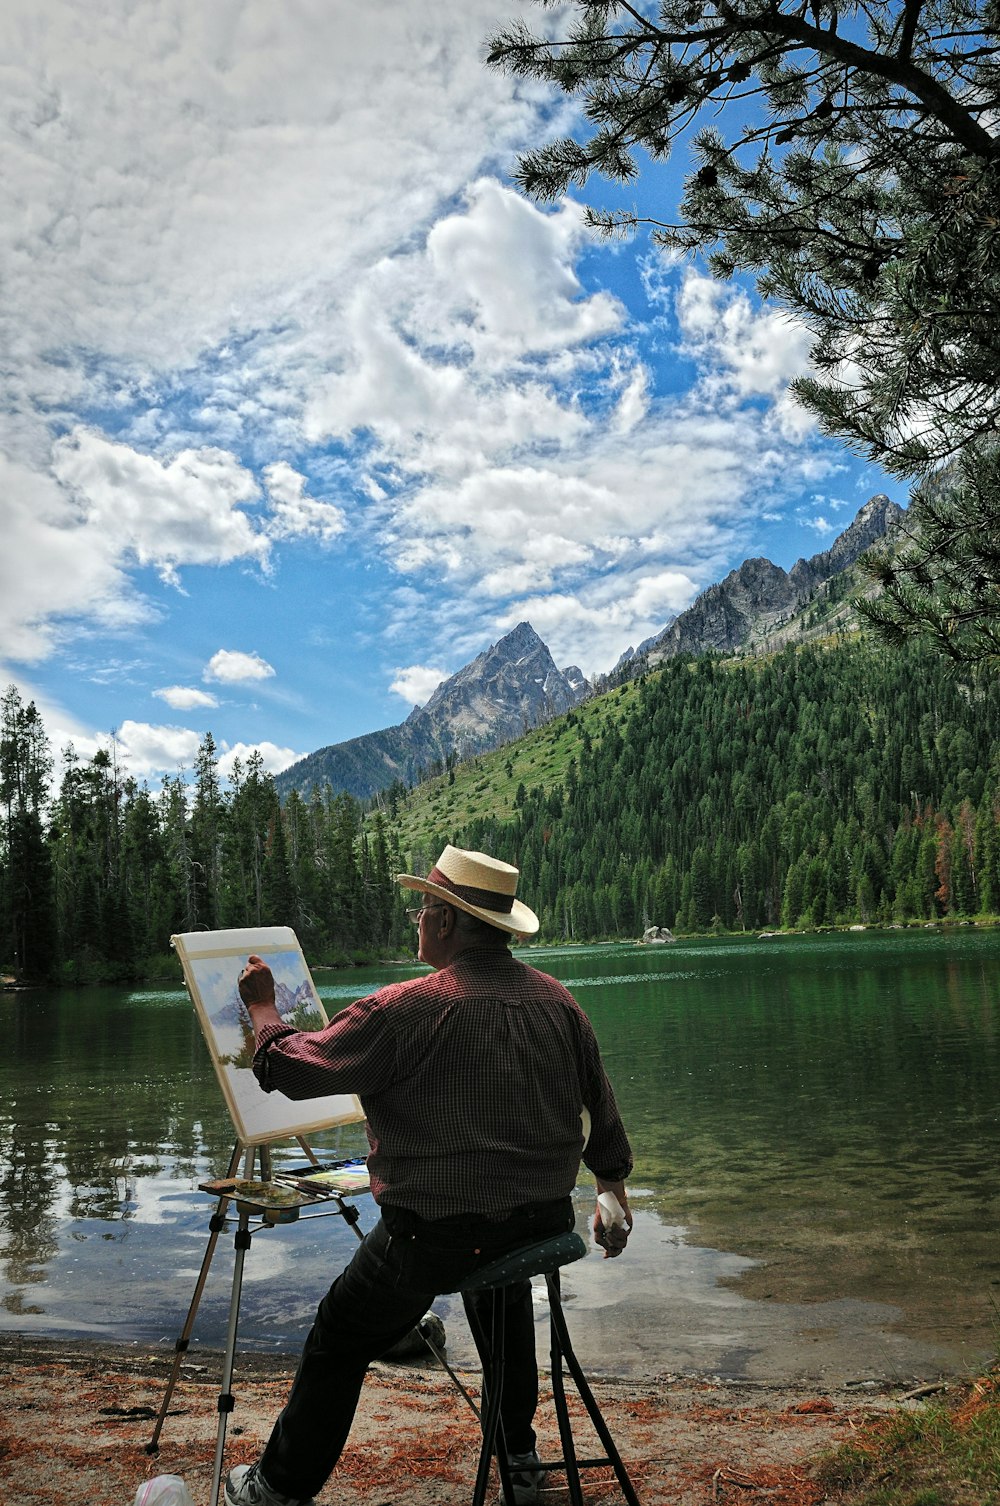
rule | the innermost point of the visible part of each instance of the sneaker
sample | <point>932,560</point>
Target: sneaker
<point>246,1486</point>
<point>525,1478</point>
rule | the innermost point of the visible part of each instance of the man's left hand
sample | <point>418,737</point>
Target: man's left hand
<point>613,1237</point>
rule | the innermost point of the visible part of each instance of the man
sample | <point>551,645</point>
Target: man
<point>473,1079</point>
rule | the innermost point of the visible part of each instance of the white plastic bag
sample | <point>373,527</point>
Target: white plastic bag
<point>165,1490</point>
<point>612,1212</point>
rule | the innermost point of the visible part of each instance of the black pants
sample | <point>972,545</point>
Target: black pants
<point>397,1271</point>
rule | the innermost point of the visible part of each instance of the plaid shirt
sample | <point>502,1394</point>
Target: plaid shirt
<point>472,1080</point>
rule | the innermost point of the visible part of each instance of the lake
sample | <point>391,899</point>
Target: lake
<point>815,1122</point>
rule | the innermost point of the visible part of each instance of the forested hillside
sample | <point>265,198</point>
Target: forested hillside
<point>816,787</point>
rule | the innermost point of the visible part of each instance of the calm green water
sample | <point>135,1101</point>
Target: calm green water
<point>815,1123</point>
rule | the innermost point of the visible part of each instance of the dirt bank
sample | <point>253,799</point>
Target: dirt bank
<point>77,1417</point>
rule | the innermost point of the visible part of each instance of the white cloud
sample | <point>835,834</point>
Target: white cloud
<point>633,405</point>
<point>182,511</point>
<point>162,163</point>
<point>503,272</point>
<point>745,352</point>
<point>185,698</point>
<point>594,625</point>
<point>293,514</point>
<point>149,750</point>
<point>231,667</point>
<point>438,366</point>
<point>273,758</point>
<point>56,568</point>
<point>417,683</point>
<point>531,457</point>
<point>603,543</point>
<point>657,596</point>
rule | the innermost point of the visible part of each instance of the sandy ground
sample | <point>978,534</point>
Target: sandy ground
<point>77,1417</point>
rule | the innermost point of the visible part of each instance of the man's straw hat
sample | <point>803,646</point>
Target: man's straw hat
<point>479,885</point>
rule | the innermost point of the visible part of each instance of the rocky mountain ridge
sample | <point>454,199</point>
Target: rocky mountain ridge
<point>754,606</point>
<point>515,685</point>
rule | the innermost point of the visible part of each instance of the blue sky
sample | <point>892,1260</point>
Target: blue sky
<point>305,406</point>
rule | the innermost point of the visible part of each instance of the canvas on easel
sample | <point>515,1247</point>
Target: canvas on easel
<point>212,962</point>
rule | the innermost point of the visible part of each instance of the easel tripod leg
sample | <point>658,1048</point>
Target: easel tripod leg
<point>226,1399</point>
<point>216,1225</point>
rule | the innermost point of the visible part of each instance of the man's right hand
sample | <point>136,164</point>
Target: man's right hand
<point>256,983</point>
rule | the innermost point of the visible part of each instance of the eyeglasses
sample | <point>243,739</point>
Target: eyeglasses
<point>415,914</point>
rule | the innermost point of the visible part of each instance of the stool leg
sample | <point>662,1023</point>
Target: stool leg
<point>491,1349</point>
<point>560,1332</point>
<point>557,1336</point>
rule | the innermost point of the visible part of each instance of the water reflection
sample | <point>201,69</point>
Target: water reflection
<point>815,1122</point>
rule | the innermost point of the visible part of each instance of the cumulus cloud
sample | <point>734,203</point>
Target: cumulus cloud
<point>448,345</point>
<point>504,272</point>
<point>226,243</point>
<point>633,405</point>
<point>530,455</point>
<point>56,568</point>
<point>417,683</point>
<point>273,758</point>
<point>231,667</point>
<point>592,626</point>
<point>185,697</point>
<point>745,352</point>
<point>294,515</point>
<point>598,546</point>
<point>162,164</point>
<point>165,513</point>
<point>149,749</point>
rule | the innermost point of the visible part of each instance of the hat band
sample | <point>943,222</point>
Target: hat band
<point>486,899</point>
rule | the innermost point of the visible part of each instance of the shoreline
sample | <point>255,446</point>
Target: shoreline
<point>79,1413</point>
<point>10,983</point>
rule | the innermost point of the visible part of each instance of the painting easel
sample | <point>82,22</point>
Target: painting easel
<point>253,1216</point>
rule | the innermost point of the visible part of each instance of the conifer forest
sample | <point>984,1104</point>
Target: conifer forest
<point>823,786</point>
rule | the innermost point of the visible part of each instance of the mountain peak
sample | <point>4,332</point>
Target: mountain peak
<point>506,690</point>
<point>871,523</point>
<point>523,634</point>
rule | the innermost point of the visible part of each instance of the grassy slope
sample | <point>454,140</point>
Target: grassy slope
<point>437,811</point>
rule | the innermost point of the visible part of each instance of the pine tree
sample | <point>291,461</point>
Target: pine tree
<point>143,853</point>
<point>988,857</point>
<point>205,835</point>
<point>27,912</point>
<point>279,903</point>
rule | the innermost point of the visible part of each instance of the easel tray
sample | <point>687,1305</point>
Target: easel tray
<point>274,1201</point>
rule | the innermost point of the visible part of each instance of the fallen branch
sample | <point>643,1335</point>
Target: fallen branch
<point>722,1477</point>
